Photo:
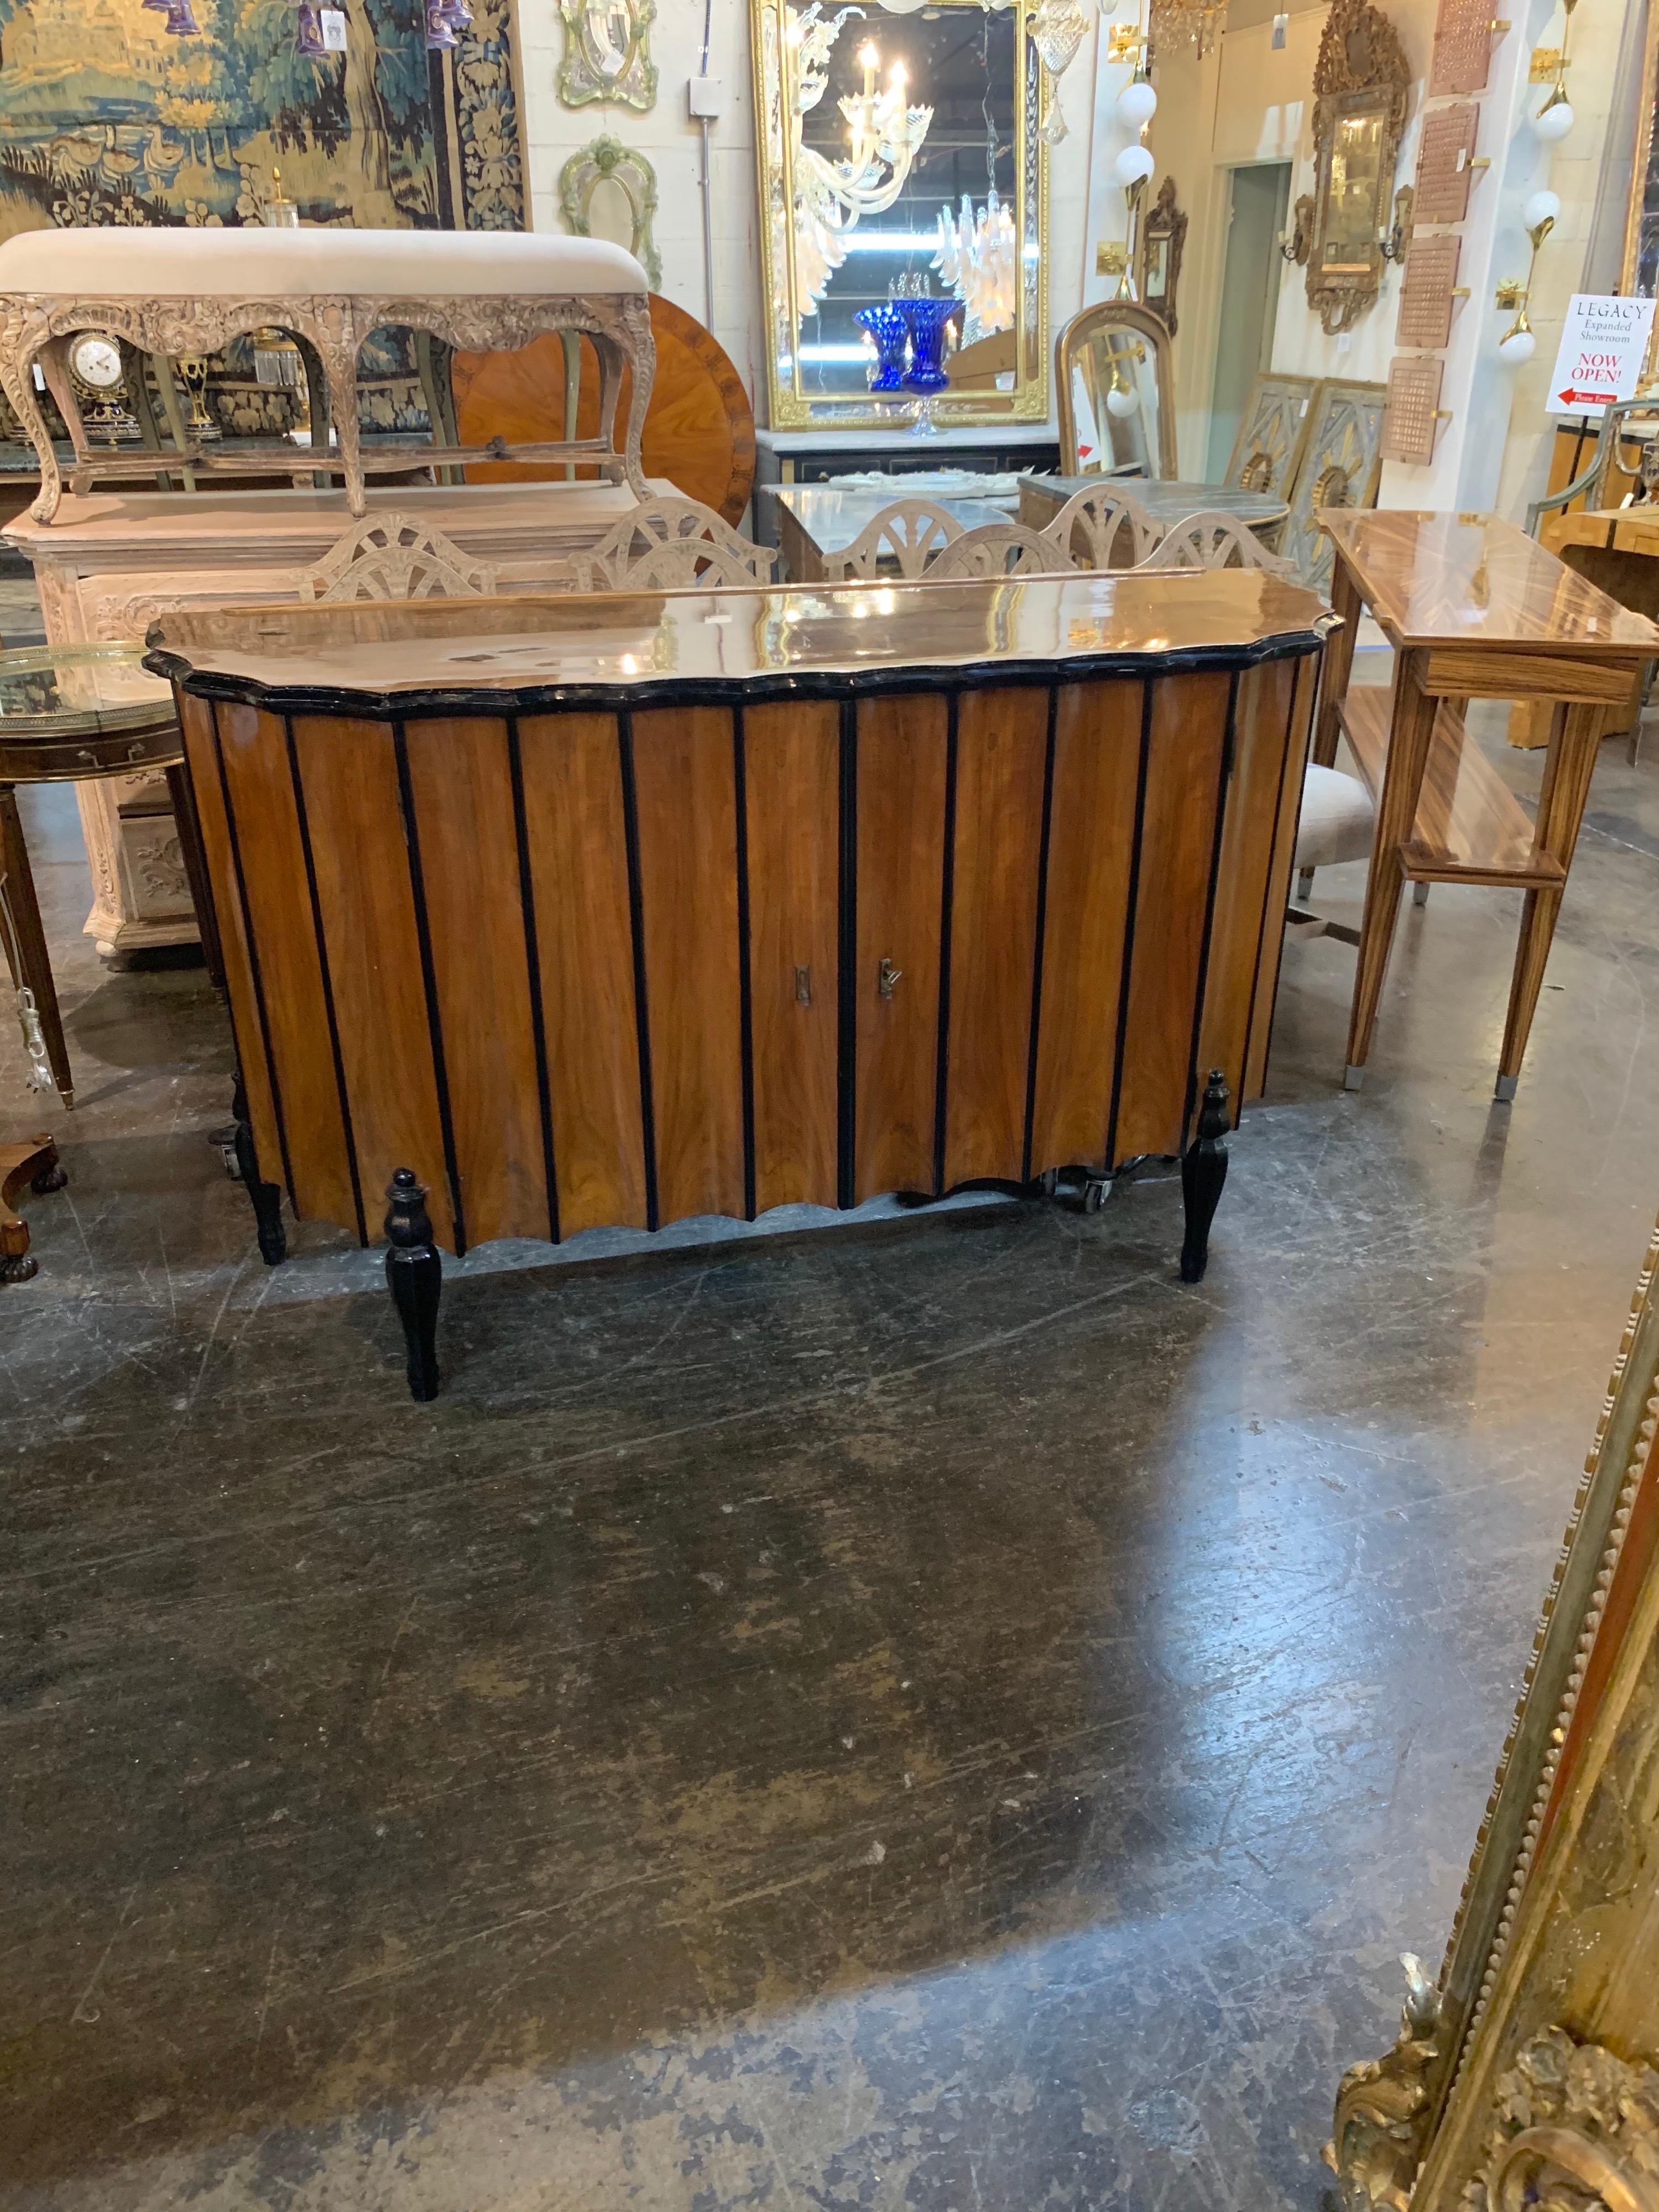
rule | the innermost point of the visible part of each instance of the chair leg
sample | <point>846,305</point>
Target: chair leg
<point>1419,894</point>
<point>26,940</point>
<point>1304,884</point>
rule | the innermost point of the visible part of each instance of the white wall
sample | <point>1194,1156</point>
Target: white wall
<point>668,140</point>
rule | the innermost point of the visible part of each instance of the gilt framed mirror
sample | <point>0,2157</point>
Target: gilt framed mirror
<point>901,151</point>
<point>1362,82</point>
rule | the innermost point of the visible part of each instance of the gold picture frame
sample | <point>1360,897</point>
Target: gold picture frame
<point>1395,2112</point>
<point>1340,465</point>
<point>793,291</point>
<point>1117,342</point>
<point>1160,242</point>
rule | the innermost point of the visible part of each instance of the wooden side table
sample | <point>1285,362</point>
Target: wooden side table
<point>1475,608</point>
<point>68,713</point>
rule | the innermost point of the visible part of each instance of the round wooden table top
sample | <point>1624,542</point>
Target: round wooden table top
<point>699,429</point>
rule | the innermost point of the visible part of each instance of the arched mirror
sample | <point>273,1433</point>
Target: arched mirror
<point>1116,398</point>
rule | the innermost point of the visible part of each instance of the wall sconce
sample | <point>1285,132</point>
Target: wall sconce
<point>1126,42</point>
<point>1554,118</point>
<point>1297,243</point>
<point>1517,345</point>
<point>1395,243</point>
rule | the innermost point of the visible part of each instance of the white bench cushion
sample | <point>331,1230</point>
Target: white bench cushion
<point>254,263</point>
<point>1337,819</point>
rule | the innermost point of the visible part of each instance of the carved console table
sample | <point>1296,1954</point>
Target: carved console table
<point>182,292</point>
<point>548,914</point>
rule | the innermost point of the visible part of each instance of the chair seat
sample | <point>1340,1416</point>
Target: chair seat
<point>1337,819</point>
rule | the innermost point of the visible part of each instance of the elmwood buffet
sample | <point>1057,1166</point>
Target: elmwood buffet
<point>544,914</point>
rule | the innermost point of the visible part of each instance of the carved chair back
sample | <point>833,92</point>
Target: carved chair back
<point>671,544</point>
<point>396,556</point>
<point>910,534</point>
<point>1211,539</point>
<point>1103,529</point>
<point>1001,549</point>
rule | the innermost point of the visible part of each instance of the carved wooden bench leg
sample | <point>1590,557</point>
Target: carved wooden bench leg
<point>1203,1174</point>
<point>36,1164</point>
<point>414,1275</point>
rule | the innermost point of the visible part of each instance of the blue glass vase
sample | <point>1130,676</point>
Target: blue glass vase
<point>926,320</point>
<point>888,327</point>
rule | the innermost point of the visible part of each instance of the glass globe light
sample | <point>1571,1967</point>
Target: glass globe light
<point>1123,401</point>
<point>1133,166</point>
<point>1553,120</point>
<point>1539,207</point>
<point>1137,103</point>
<point>1517,347</point>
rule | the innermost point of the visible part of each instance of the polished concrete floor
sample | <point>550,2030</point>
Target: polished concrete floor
<point>927,1715</point>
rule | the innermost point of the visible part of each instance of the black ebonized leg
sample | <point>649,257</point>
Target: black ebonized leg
<point>266,1198</point>
<point>1203,1173</point>
<point>414,1275</point>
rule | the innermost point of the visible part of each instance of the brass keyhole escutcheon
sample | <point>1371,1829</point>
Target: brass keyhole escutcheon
<point>886,976</point>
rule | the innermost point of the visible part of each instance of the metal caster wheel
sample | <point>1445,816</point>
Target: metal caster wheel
<point>1096,1192</point>
<point>1050,1181</point>
<point>223,1140</point>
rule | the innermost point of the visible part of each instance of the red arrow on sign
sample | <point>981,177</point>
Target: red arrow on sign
<point>1588,398</point>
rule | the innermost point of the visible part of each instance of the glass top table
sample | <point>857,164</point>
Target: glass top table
<point>68,713</point>
<point>58,691</point>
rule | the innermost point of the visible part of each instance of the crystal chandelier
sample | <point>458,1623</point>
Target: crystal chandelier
<point>884,137</point>
<point>1178,24</point>
<point>977,259</point>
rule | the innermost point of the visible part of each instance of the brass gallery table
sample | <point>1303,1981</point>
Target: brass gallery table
<point>1475,608</point>
<point>553,913</point>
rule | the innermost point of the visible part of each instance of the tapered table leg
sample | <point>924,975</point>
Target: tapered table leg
<point>1338,663</point>
<point>1396,811</point>
<point>1561,802</point>
<point>21,923</point>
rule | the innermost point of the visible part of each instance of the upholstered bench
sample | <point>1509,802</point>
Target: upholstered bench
<point>173,292</point>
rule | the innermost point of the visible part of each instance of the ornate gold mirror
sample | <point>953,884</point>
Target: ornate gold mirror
<point>1159,244</point>
<point>1116,396</point>
<point>1361,85</point>
<point>902,159</point>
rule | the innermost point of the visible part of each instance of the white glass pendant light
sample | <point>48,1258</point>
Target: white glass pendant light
<point>1133,167</point>
<point>1137,101</point>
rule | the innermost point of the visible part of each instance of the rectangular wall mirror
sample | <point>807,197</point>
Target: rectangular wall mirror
<point>900,148</point>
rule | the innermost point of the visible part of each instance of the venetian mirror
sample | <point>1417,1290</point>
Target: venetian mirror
<point>609,190</point>
<point>1361,84</point>
<point>607,52</point>
<point>1116,397</point>
<point>902,171</point>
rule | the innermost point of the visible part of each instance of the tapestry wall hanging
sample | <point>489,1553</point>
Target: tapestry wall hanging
<point>107,118</point>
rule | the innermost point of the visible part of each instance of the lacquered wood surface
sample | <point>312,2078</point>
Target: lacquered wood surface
<point>582,967</point>
<point>684,780</point>
<point>996,874</point>
<point>439,655</point>
<point>903,784</point>
<point>573,865</point>
<point>792,769</point>
<point>1472,580</point>
<point>1092,824</point>
<point>1188,747</point>
<point>1469,821</point>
